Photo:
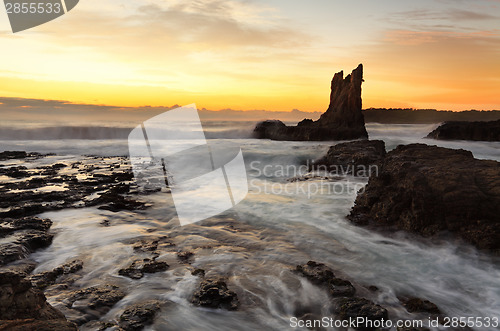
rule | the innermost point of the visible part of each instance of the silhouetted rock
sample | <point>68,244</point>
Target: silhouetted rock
<point>358,158</point>
<point>427,189</point>
<point>343,119</point>
<point>213,293</point>
<point>485,131</point>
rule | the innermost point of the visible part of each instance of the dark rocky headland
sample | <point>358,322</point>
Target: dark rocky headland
<point>476,131</point>
<point>430,190</point>
<point>343,119</point>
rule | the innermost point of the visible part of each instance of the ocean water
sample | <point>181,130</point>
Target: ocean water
<point>280,224</point>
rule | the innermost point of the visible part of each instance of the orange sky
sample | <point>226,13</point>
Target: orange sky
<point>255,54</point>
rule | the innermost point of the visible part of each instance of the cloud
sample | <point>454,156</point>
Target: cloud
<point>409,37</point>
<point>437,68</point>
<point>453,14</point>
<point>460,14</point>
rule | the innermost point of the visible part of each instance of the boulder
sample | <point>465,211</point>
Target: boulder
<point>136,317</point>
<point>47,278</point>
<point>462,130</point>
<point>353,308</point>
<point>417,305</point>
<point>358,158</point>
<point>23,236</point>
<point>428,189</point>
<point>320,274</point>
<point>213,293</point>
<point>138,268</point>
<point>24,308</point>
<point>343,120</point>
<point>82,306</point>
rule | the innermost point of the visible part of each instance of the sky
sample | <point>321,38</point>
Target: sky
<point>276,55</point>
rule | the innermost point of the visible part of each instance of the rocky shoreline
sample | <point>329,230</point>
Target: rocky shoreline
<point>431,190</point>
<point>105,183</point>
<point>461,130</point>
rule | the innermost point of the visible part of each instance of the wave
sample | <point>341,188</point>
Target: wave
<point>236,131</point>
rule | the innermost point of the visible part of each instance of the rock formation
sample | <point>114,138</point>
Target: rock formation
<point>358,158</point>
<point>428,189</point>
<point>484,131</point>
<point>343,119</point>
<point>24,308</point>
<point>214,293</point>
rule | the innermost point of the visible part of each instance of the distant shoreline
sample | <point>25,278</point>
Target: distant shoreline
<point>426,116</point>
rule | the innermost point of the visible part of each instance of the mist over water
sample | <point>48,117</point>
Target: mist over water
<point>276,227</point>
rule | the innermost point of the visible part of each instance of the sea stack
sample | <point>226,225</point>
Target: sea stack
<point>343,120</point>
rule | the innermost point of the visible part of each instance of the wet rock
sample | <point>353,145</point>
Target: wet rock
<point>351,308</point>
<point>198,272</point>
<point>105,223</point>
<point>320,274</point>
<point>428,189</point>
<point>58,166</point>
<point>358,158</point>
<point>20,304</point>
<point>36,325</point>
<point>10,252</point>
<point>213,293</point>
<point>31,202</point>
<point>317,273</point>
<point>93,302</point>
<point>478,131</point>
<point>184,256</point>
<point>343,119</point>
<point>15,172</point>
<point>99,326</point>
<point>12,155</point>
<point>23,267</point>
<point>266,129</point>
<point>417,305</point>
<point>45,279</point>
<point>23,236</point>
<point>146,246</point>
<point>138,268</point>
<point>138,316</point>
<point>8,225</point>
<point>114,201</point>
